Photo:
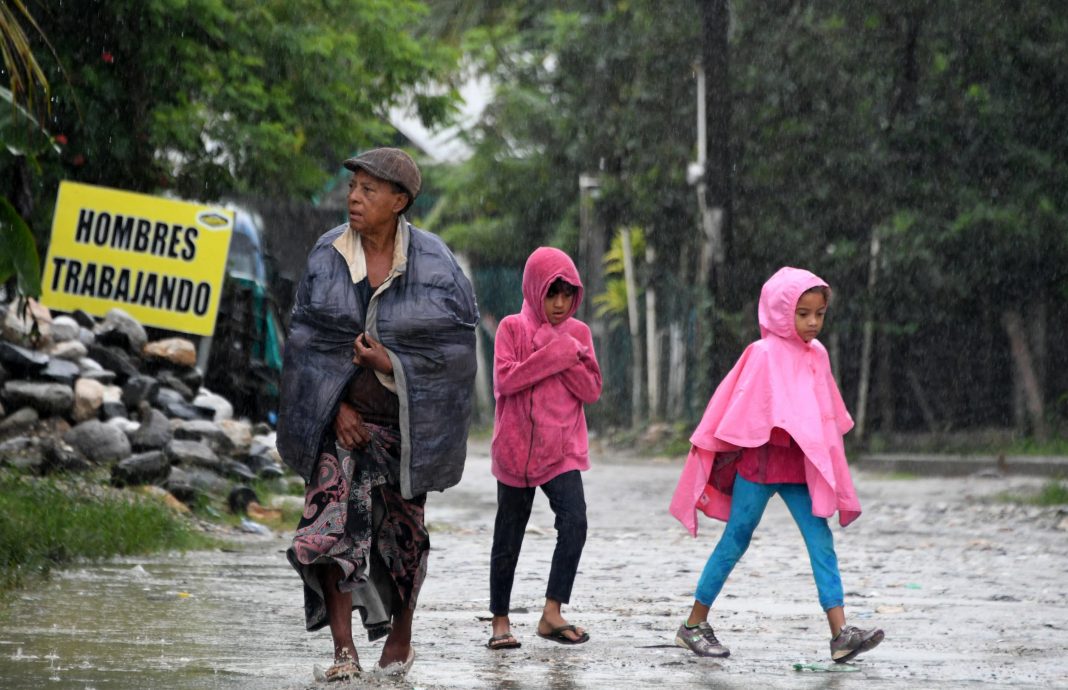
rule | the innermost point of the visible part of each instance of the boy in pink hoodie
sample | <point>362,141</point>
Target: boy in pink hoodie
<point>544,370</point>
<point>774,426</point>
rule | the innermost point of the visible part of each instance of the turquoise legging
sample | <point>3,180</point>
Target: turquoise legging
<point>748,502</point>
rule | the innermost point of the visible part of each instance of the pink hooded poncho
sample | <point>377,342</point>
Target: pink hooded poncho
<point>542,376</point>
<point>781,382</point>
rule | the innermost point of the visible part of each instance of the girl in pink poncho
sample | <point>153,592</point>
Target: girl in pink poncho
<point>544,370</point>
<point>774,425</point>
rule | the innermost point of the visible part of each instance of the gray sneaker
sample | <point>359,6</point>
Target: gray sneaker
<point>700,640</point>
<point>851,641</point>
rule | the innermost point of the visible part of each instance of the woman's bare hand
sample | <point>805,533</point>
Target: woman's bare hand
<point>372,354</point>
<point>349,428</point>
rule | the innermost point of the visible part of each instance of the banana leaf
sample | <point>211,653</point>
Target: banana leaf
<point>20,133</point>
<point>18,253</point>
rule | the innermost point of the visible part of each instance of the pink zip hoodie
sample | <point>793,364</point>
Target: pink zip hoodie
<point>781,382</point>
<point>542,376</point>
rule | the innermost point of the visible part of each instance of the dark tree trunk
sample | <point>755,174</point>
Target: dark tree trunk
<point>1024,370</point>
<point>715,57</point>
<point>1038,340</point>
<point>884,382</point>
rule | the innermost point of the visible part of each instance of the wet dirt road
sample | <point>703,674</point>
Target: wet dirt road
<point>971,593</point>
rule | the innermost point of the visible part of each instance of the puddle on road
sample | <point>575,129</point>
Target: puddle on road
<point>186,621</point>
<point>168,621</point>
<point>235,619</point>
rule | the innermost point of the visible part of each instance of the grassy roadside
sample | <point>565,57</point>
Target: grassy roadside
<point>1052,493</point>
<point>51,522</point>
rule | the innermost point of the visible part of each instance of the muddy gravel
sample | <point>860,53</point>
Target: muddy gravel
<point>971,591</point>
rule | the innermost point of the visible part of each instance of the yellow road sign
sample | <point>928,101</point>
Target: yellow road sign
<point>160,260</point>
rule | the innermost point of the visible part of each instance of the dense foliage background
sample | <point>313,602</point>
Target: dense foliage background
<point>911,153</point>
<point>934,131</point>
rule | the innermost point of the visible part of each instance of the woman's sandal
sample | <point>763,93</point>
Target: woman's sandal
<point>344,670</point>
<point>398,669</point>
<point>557,635</point>
<point>505,641</point>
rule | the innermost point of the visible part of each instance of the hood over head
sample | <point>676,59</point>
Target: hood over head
<point>778,300</point>
<point>544,266</point>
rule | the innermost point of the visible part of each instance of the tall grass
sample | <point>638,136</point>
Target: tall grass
<point>1053,493</point>
<point>49,522</point>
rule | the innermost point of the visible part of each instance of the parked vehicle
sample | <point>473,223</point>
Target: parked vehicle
<point>243,359</point>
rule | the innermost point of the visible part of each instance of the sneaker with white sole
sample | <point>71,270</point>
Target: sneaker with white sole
<point>851,641</point>
<point>700,640</point>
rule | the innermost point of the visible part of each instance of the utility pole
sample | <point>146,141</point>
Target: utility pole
<point>592,243</point>
<point>713,169</point>
<point>592,247</point>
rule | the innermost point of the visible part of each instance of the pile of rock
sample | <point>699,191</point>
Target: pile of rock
<point>77,393</point>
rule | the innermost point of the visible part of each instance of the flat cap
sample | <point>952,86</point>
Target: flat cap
<point>392,165</point>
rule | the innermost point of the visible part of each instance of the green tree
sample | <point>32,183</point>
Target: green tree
<point>991,202</point>
<point>23,141</point>
<point>206,97</point>
<point>936,129</point>
<point>601,89</point>
<point>26,80</point>
<point>580,88</point>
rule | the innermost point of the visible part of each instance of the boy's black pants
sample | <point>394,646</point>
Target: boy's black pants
<point>568,503</point>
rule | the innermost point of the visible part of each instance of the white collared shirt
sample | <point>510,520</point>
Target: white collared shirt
<point>350,245</point>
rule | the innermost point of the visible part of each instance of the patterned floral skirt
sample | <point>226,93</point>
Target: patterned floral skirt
<point>355,517</point>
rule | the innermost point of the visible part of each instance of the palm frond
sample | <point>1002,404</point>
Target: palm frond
<point>26,79</point>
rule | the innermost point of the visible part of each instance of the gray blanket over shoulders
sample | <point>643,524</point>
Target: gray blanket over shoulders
<point>426,318</point>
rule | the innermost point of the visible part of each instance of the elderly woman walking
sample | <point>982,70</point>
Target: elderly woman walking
<point>375,408</point>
